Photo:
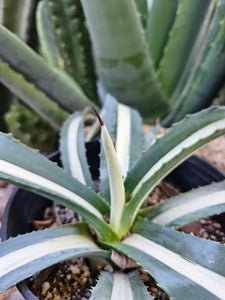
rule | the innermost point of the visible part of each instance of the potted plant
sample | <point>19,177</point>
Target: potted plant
<point>166,61</point>
<point>128,175</point>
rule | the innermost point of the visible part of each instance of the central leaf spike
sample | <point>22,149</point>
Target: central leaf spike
<point>117,192</point>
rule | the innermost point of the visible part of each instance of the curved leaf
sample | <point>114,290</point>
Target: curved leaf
<point>189,17</point>
<point>72,148</point>
<point>202,88</point>
<point>38,174</point>
<point>22,256</point>
<point>71,35</point>
<point>54,83</point>
<point>159,21</point>
<point>204,252</point>
<point>127,74</point>
<point>120,286</point>
<point>16,16</point>
<point>32,96</point>
<point>46,38</point>
<point>177,263</point>
<point>125,128</point>
<point>167,152</point>
<point>117,193</point>
<point>188,207</point>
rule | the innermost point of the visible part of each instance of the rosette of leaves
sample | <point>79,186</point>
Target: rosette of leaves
<point>166,61</point>
<point>184,266</point>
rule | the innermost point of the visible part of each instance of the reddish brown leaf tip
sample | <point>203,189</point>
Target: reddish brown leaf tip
<point>99,118</point>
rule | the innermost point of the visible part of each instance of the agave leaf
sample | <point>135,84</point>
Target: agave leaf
<point>188,207</point>
<point>138,289</point>
<point>120,286</point>
<point>47,41</point>
<point>31,170</point>
<point>125,128</point>
<point>129,137</point>
<point>117,193</point>
<point>103,288</point>
<point>208,78</point>
<point>150,136</point>
<point>73,42</point>
<point>200,47</point>
<point>57,85</point>
<point>189,17</point>
<point>204,252</point>
<point>186,267</point>
<point>142,7</point>
<point>167,152</point>
<point>127,74</point>
<point>16,16</point>
<point>195,88</point>
<point>22,256</point>
<point>72,148</point>
<point>32,96</point>
<point>157,31</point>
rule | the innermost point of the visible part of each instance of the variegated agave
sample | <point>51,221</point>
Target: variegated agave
<point>185,266</point>
<point>166,61</point>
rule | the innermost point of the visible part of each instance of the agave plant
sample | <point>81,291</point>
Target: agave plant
<point>184,266</point>
<point>166,61</point>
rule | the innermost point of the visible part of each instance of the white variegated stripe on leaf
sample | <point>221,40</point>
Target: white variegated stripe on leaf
<point>166,153</point>
<point>207,279</point>
<point>120,286</point>
<point>191,140</point>
<point>25,167</point>
<point>22,256</point>
<point>129,137</point>
<point>72,148</point>
<point>185,208</point>
<point>12,151</point>
<point>53,191</point>
<point>12,171</point>
<point>125,128</point>
<point>109,116</point>
<point>117,193</point>
<point>178,276</point>
<point>123,137</point>
<point>205,253</point>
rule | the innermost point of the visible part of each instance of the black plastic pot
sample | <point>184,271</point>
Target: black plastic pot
<point>24,206</point>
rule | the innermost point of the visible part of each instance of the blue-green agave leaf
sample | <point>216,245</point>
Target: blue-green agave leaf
<point>188,207</point>
<point>22,256</point>
<point>72,148</point>
<point>169,151</point>
<point>25,167</point>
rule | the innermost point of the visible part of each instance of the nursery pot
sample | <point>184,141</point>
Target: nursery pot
<point>24,206</point>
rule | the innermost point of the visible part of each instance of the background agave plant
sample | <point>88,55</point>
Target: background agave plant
<point>166,61</point>
<point>185,266</point>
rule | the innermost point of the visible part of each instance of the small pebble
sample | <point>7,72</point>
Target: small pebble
<point>45,288</point>
<point>86,273</point>
<point>75,269</point>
